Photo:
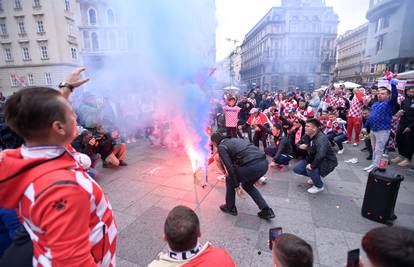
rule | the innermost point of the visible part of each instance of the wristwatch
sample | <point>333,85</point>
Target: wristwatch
<point>67,85</point>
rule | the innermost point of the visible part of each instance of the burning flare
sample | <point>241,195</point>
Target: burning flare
<point>196,157</point>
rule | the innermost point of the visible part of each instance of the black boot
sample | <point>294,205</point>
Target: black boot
<point>369,157</point>
<point>232,211</point>
<point>266,213</point>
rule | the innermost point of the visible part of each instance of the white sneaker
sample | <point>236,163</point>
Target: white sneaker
<point>355,144</point>
<point>369,167</point>
<point>345,142</point>
<point>340,152</point>
<point>309,182</point>
<point>262,180</point>
<point>315,190</point>
<point>221,177</point>
<point>369,170</point>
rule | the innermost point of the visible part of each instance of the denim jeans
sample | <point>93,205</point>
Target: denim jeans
<point>337,138</point>
<point>282,159</point>
<point>247,175</point>
<point>300,168</point>
<point>270,151</point>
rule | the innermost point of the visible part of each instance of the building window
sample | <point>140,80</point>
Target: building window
<point>36,3</point>
<point>7,54</point>
<point>40,27</point>
<point>111,17</point>
<point>3,29</point>
<point>22,29</point>
<point>67,5</point>
<point>17,4</point>
<point>380,43</point>
<point>385,22</point>
<point>48,77</point>
<point>13,80</point>
<point>372,68</point>
<point>25,52</point>
<point>92,16</point>
<point>43,52</point>
<point>74,53</point>
<point>30,79</point>
<point>378,25</point>
<point>95,42</point>
<point>71,29</point>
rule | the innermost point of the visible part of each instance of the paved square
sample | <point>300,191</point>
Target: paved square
<point>158,179</point>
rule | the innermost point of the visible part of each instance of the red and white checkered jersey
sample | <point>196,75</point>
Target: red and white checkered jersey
<point>65,212</point>
<point>324,122</point>
<point>306,113</point>
<point>355,107</point>
<point>231,115</point>
<point>287,106</point>
<point>337,126</point>
<point>337,102</point>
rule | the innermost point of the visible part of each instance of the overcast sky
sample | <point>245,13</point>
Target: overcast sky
<point>236,17</point>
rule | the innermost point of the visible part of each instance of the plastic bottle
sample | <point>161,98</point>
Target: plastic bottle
<point>383,163</point>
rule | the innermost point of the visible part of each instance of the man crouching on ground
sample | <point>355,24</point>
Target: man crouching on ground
<point>244,164</point>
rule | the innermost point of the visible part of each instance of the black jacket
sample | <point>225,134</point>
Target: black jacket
<point>81,147</point>
<point>321,155</point>
<point>244,113</point>
<point>105,145</point>
<point>282,143</point>
<point>235,152</point>
<point>407,120</point>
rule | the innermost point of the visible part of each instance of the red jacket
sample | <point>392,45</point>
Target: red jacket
<point>208,256</point>
<point>261,119</point>
<point>212,256</point>
<point>69,219</point>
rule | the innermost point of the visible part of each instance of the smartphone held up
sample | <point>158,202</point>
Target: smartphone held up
<point>273,234</point>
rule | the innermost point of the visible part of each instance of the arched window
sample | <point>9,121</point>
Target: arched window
<point>92,16</point>
<point>110,16</point>
<point>95,41</point>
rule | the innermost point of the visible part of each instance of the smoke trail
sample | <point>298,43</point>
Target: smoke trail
<point>159,71</point>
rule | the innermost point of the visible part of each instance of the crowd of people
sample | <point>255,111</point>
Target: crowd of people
<point>47,170</point>
<point>382,118</point>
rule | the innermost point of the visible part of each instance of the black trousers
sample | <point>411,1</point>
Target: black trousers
<point>248,175</point>
<point>245,129</point>
<point>231,132</point>
<point>405,142</point>
<point>260,136</point>
<point>368,145</point>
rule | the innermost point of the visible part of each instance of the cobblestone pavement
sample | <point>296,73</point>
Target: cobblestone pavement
<point>157,179</point>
